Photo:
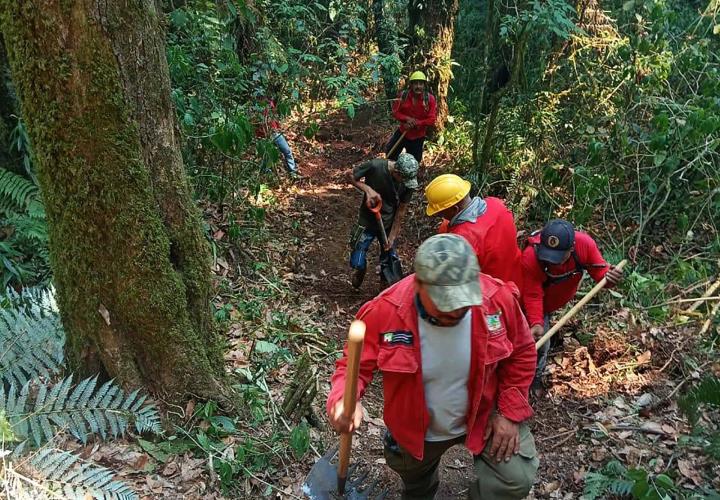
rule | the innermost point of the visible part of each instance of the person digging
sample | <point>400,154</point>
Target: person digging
<point>486,223</point>
<point>553,263</point>
<point>457,360</point>
<point>387,188</point>
<point>416,110</point>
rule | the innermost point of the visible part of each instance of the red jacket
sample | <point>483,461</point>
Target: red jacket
<point>540,298</point>
<point>414,107</point>
<point>502,364</point>
<point>269,124</point>
<point>494,238</point>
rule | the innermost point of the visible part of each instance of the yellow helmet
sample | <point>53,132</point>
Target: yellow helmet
<point>418,75</point>
<point>445,191</point>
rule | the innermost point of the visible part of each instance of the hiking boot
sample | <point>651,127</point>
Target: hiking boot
<point>295,176</point>
<point>358,275</point>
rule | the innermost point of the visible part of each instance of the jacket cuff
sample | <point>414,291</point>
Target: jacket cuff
<point>513,405</point>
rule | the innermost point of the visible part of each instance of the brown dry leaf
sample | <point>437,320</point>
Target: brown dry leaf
<point>548,488</point>
<point>644,358</point>
<point>191,468</point>
<point>104,313</point>
<point>170,469</point>
<point>686,469</point>
<point>218,235</point>
<point>653,427</point>
<point>599,454</point>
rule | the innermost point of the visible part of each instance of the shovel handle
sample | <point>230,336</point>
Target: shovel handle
<point>356,336</point>
<point>561,322</point>
<point>392,150</point>
<point>381,226</point>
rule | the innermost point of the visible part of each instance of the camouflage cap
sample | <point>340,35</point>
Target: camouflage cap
<point>447,266</point>
<point>407,166</point>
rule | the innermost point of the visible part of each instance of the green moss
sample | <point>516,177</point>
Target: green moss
<point>109,241</point>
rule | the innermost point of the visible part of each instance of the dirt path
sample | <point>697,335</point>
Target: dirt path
<point>330,207</point>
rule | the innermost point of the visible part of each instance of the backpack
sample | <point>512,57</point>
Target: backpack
<point>426,98</point>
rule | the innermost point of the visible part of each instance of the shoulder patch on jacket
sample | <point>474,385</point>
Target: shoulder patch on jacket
<point>397,337</point>
<point>493,322</point>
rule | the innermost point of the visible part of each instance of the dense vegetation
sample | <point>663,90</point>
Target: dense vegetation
<point>606,112</point>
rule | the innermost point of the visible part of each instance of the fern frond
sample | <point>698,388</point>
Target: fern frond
<point>77,478</point>
<point>16,192</point>
<point>31,338</point>
<point>707,391</point>
<point>83,411</point>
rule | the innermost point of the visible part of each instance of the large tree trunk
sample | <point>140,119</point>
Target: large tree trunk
<point>432,32</point>
<point>130,262</point>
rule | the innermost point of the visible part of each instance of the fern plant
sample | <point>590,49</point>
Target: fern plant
<point>618,480</point>
<point>706,392</point>
<point>35,408</point>
<point>31,337</point>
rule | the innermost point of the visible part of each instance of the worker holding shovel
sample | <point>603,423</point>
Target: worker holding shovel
<point>457,360</point>
<point>416,110</point>
<point>553,264</point>
<point>387,187</point>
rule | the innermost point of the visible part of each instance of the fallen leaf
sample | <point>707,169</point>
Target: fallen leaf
<point>644,358</point>
<point>686,469</point>
<point>104,313</point>
<point>170,469</point>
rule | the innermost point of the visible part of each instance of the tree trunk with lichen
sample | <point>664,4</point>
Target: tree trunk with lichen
<point>432,32</point>
<point>130,262</point>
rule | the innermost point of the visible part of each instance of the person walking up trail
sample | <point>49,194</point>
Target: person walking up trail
<point>457,360</point>
<point>386,182</point>
<point>416,110</point>
<point>553,263</point>
<point>270,127</point>
<point>485,223</point>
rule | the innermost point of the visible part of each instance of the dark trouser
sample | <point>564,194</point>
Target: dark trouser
<point>509,480</point>
<point>360,242</point>
<point>542,354</point>
<point>412,146</point>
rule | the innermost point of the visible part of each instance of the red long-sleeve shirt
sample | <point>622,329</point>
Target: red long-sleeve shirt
<point>493,236</point>
<point>269,123</point>
<point>413,106</point>
<point>538,299</point>
<point>502,363</point>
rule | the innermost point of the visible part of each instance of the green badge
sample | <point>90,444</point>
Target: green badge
<point>493,322</point>
<point>388,337</point>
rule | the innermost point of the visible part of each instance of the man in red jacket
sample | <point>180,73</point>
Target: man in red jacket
<point>416,110</point>
<point>457,360</point>
<point>485,223</point>
<point>553,264</point>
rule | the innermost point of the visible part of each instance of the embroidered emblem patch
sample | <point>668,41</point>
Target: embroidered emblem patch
<point>397,337</point>
<point>493,322</point>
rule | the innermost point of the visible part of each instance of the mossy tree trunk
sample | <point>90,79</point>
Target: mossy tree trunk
<point>130,262</point>
<point>432,32</point>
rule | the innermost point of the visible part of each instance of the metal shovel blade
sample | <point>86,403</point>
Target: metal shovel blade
<point>391,269</point>
<point>321,483</point>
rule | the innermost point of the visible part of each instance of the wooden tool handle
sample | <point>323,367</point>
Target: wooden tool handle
<point>552,331</point>
<point>356,336</point>
<point>392,150</point>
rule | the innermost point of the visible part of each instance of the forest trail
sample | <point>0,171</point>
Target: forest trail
<point>595,385</point>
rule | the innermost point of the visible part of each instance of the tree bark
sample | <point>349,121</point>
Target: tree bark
<point>432,32</point>
<point>130,262</point>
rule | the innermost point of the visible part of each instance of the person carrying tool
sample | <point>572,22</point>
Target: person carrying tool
<point>416,110</point>
<point>270,127</point>
<point>457,360</point>
<point>387,183</point>
<point>485,223</point>
<point>553,263</point>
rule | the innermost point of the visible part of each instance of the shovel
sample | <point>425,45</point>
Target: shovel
<point>390,265</point>
<point>561,322</point>
<point>328,480</point>
<point>397,143</point>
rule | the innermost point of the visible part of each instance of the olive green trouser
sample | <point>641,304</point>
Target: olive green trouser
<point>505,480</point>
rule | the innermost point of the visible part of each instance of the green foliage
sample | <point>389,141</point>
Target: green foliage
<point>705,393</point>
<point>35,408</point>
<point>32,338</point>
<point>617,480</point>
<point>78,479</point>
